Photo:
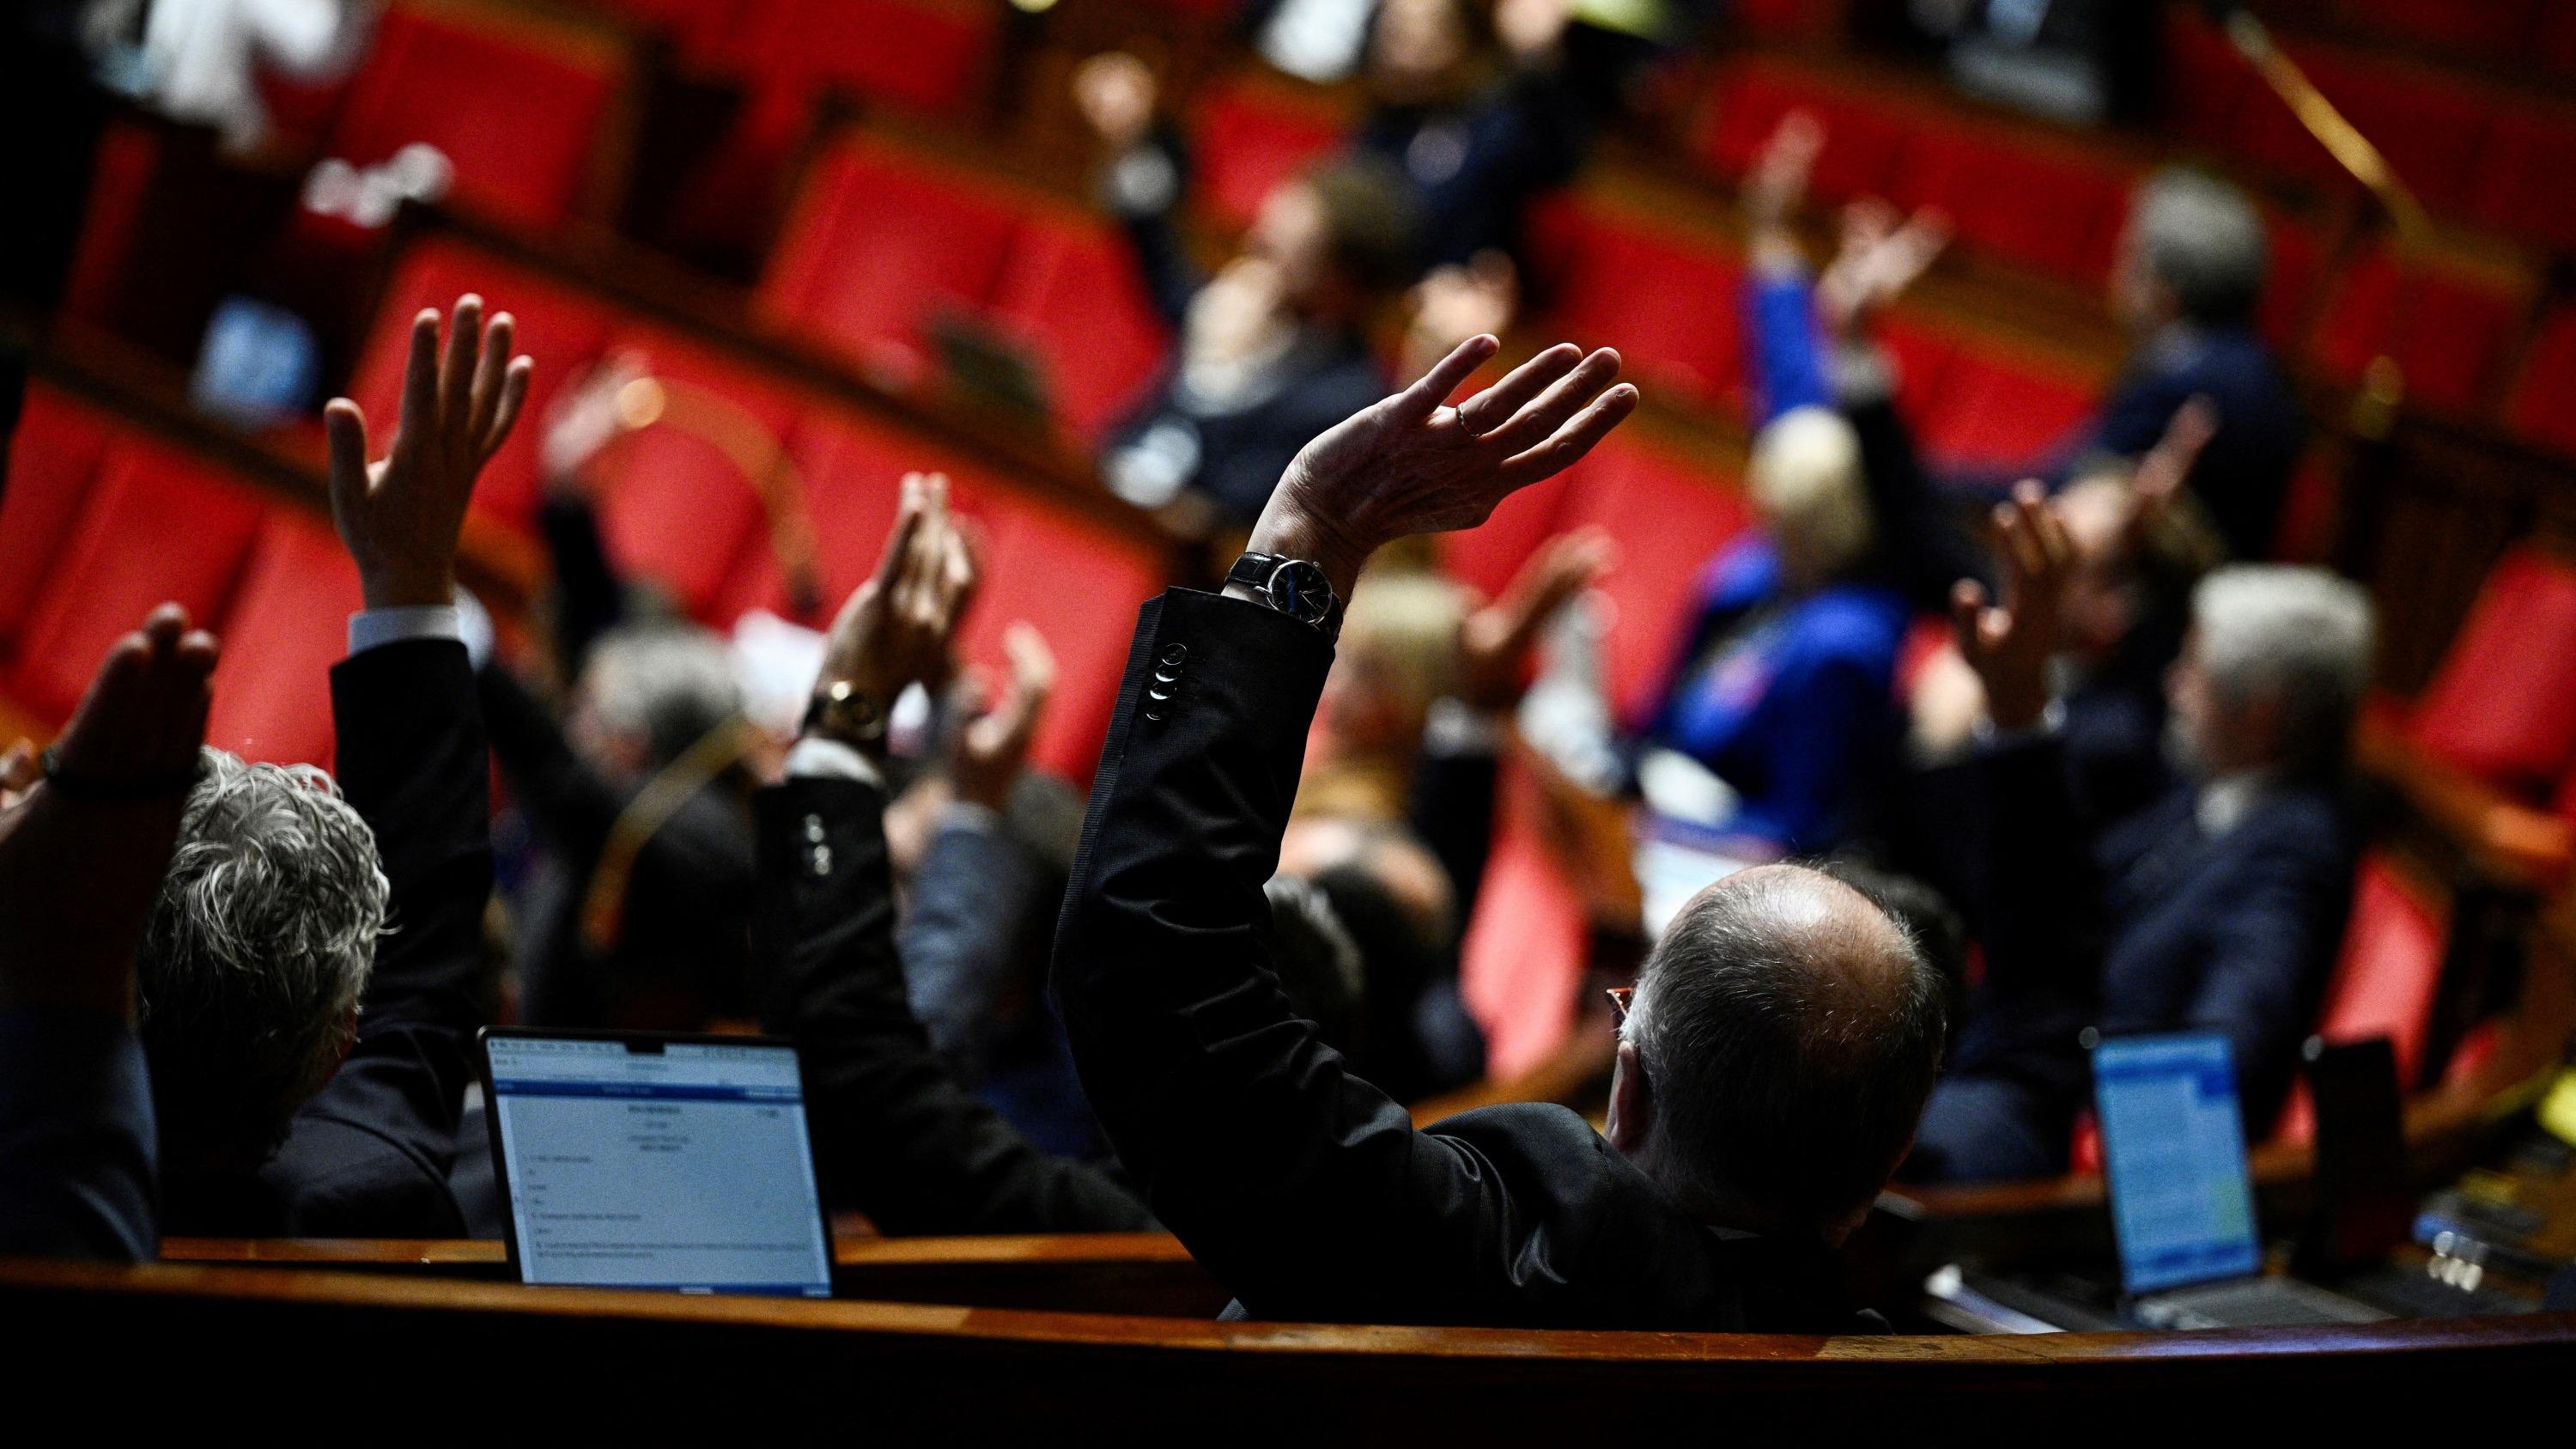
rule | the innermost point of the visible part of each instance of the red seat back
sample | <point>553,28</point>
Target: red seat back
<point>2503,704</point>
<point>53,465</point>
<point>2391,967</point>
<point>1247,138</point>
<point>881,241</point>
<point>288,624</point>
<point>675,506</point>
<point>518,105</point>
<point>924,55</point>
<point>2542,404</point>
<point>1071,293</point>
<point>1673,304</point>
<point>2447,327</point>
<point>1862,137</point>
<point>160,527</point>
<point>1522,958</point>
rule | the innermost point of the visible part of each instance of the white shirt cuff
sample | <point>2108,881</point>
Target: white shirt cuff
<point>812,758</point>
<point>371,628</point>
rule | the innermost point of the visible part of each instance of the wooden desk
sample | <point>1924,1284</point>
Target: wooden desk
<point>1147,1274</point>
<point>198,1334</point>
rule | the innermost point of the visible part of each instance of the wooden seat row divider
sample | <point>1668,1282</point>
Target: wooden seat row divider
<point>900,1368</point>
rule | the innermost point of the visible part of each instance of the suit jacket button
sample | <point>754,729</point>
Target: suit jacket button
<point>1154,715</point>
<point>1173,654</point>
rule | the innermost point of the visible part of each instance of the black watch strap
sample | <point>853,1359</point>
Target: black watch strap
<point>1292,586</point>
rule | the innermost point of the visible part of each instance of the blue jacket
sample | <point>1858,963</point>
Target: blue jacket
<point>1787,700</point>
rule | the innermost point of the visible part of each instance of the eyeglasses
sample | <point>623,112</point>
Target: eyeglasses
<point>1621,997</point>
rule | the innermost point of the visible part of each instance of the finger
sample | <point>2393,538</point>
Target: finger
<point>907,522</point>
<point>420,379</point>
<point>18,770</point>
<point>1967,611</point>
<point>456,376</point>
<point>344,427</point>
<point>1032,660</point>
<point>1573,440</point>
<point>1540,420</point>
<point>1446,376</point>
<point>1495,406</point>
<point>514,396</point>
<point>491,369</point>
<point>163,626</point>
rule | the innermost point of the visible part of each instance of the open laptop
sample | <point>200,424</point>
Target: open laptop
<point>2182,1201</point>
<point>642,1160</point>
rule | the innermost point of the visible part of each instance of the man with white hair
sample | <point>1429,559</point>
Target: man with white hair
<point>2217,908</point>
<point>307,979</point>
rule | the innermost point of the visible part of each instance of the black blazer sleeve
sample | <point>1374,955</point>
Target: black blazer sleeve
<point>371,1152</point>
<point>961,935</point>
<point>898,1138</point>
<point>2044,929</point>
<point>1303,1188</point>
<point>571,804</point>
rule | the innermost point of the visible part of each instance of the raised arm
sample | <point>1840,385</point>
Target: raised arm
<point>899,1138</point>
<point>84,843</point>
<point>1303,1188</point>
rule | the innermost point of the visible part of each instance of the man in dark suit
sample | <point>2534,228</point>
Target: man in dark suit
<point>2217,908</point>
<point>290,1102</point>
<point>898,1136</point>
<point>84,841</point>
<point>1781,1041</point>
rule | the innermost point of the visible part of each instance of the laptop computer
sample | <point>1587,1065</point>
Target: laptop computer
<point>644,1160</point>
<point>2182,1200</point>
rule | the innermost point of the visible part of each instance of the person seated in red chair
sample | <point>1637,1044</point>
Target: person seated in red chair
<point>1272,349</point>
<point>1780,1044</point>
<point>2217,908</point>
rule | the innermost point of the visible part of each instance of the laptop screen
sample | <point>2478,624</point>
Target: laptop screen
<point>654,1162</point>
<point>2173,1147</point>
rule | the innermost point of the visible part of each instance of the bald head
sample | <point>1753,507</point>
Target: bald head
<point>1788,1030</point>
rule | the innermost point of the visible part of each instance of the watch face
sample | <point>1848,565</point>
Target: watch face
<point>1299,589</point>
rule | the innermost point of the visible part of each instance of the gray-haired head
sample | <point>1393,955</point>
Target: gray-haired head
<point>665,685</point>
<point>258,948</point>
<point>2301,636</point>
<point>2203,241</point>
<point>1788,1030</point>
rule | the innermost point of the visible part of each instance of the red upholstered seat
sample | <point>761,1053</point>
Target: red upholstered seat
<point>1485,557</point>
<point>929,56</point>
<point>700,31</point>
<point>1070,291</point>
<point>2448,327</point>
<point>882,240</point>
<point>2542,403</point>
<point>1670,515</point>
<point>519,106</point>
<point>1247,138</point>
<point>2384,982</point>
<point>675,508</point>
<point>2208,85</point>
<point>53,462</point>
<point>2503,704</point>
<point>2430,128</point>
<point>1862,138</point>
<point>2290,281</point>
<point>1673,304</point>
<point>1521,960</point>
<point>1999,410</point>
<point>288,624</point>
<point>1080,584</point>
<point>561,329</point>
<point>1987,179</point>
<point>2493,30</point>
<point>2520,186</point>
<point>159,526</point>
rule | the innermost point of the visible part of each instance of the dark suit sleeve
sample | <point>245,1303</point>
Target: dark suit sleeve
<point>590,595</point>
<point>77,1145</point>
<point>572,805</point>
<point>899,1139</point>
<point>1303,1188</point>
<point>2043,916</point>
<point>1452,812</point>
<point>969,900</point>
<point>2259,987</point>
<point>413,761</point>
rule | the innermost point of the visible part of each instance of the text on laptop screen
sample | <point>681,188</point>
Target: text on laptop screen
<point>2174,1147</point>
<point>685,1165</point>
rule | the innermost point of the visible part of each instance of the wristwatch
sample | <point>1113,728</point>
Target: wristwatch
<point>1295,587</point>
<point>842,711</point>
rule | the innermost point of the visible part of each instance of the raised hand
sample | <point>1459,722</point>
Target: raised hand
<point>895,630</point>
<point>400,517</point>
<point>83,849</point>
<point>587,415</point>
<point>2163,472</point>
<point>989,752</point>
<point>1881,255</point>
<point>1495,640</point>
<point>1777,185</point>
<point>2009,643</point>
<point>1411,464</point>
